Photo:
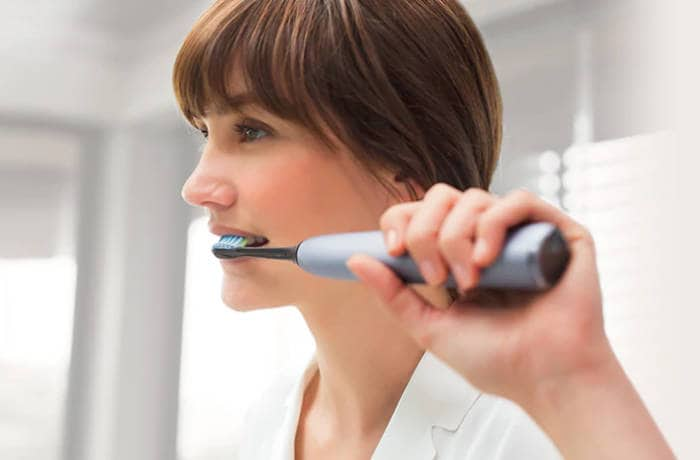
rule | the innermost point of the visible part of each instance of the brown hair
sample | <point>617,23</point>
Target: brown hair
<point>406,85</point>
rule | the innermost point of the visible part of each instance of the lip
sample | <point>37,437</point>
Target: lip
<point>234,262</point>
<point>222,230</point>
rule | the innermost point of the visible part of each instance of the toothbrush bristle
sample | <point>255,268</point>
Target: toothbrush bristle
<point>231,242</point>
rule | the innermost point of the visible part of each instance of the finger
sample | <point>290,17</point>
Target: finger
<point>423,229</point>
<point>457,232</point>
<point>432,328</point>
<point>393,223</point>
<point>515,208</point>
<point>417,316</point>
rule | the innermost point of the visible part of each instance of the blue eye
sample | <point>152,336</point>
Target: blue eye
<point>250,134</point>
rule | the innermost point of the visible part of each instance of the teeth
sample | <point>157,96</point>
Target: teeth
<point>256,241</point>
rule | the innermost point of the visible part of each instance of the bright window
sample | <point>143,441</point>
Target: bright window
<point>36,318</point>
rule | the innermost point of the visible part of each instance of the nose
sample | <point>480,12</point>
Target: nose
<point>206,188</point>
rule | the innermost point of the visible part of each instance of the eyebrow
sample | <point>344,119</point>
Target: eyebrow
<point>235,103</point>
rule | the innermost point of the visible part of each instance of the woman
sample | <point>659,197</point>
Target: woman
<point>326,116</point>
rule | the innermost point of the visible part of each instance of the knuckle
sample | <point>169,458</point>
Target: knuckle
<point>419,237</point>
<point>439,188</point>
<point>485,221</point>
<point>385,220</point>
<point>522,194</point>
<point>390,216</point>
<point>476,198</point>
<point>474,192</point>
<point>447,241</point>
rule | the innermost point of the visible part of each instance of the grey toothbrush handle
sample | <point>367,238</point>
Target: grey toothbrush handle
<point>533,257</point>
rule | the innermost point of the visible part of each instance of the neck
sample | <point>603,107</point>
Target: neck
<point>364,360</point>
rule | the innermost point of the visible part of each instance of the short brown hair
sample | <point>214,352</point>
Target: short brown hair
<point>406,85</point>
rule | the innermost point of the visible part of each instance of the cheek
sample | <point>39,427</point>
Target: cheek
<point>295,186</point>
<point>302,192</point>
<point>281,195</point>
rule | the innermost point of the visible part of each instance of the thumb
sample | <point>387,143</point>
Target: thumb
<point>418,317</point>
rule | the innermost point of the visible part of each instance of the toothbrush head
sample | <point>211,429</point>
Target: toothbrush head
<point>232,246</point>
<point>231,242</point>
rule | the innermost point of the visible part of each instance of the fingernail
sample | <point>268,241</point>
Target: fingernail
<point>391,239</point>
<point>462,276</point>
<point>428,270</point>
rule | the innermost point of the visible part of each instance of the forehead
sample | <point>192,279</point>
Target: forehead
<point>237,102</point>
<point>237,95</point>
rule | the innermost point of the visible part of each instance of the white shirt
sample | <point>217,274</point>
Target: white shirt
<point>439,416</point>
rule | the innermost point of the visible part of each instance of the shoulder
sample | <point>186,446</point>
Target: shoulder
<point>269,425</point>
<point>497,428</point>
<point>523,437</point>
<point>264,417</point>
<point>269,404</point>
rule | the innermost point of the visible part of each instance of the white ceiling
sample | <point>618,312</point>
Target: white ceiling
<point>129,18</point>
<point>132,18</point>
<point>128,21</point>
<point>107,60</point>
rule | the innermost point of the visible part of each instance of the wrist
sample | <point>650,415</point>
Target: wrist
<point>595,412</point>
<point>600,374</point>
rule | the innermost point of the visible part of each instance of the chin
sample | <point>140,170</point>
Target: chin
<point>241,308</point>
<point>242,299</point>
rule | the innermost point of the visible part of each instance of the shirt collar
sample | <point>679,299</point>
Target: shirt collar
<point>435,396</point>
<point>283,448</point>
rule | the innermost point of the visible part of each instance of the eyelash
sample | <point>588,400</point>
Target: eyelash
<point>243,132</point>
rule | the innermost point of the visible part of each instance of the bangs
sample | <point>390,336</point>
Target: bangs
<point>407,86</point>
<point>277,48</point>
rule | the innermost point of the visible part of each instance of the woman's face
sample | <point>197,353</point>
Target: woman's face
<point>270,177</point>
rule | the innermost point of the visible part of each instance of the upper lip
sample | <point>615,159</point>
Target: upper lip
<point>222,230</point>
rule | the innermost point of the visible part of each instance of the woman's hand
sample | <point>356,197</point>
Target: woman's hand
<point>505,343</point>
<point>546,351</point>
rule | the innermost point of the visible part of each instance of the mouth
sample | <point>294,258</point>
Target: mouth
<point>256,241</point>
<point>242,241</point>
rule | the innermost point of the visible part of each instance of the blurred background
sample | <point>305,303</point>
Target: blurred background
<point>114,343</point>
